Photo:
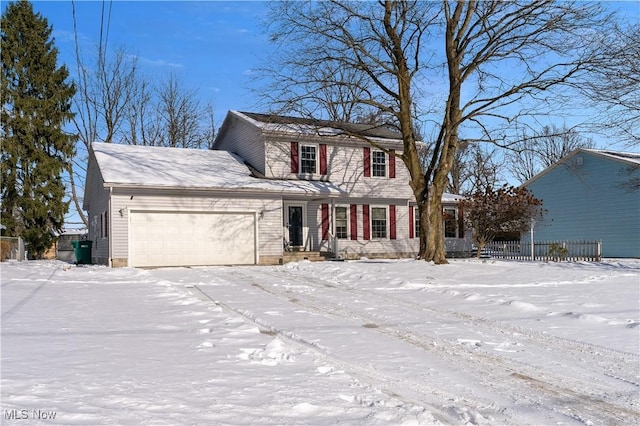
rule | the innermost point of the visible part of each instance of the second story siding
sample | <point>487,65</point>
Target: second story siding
<point>356,168</point>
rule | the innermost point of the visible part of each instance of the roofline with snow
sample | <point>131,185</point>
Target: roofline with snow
<point>343,133</point>
<point>611,155</point>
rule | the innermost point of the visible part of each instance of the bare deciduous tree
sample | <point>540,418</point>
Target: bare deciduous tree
<point>614,88</point>
<point>532,154</point>
<point>179,113</point>
<point>474,167</point>
<point>496,55</point>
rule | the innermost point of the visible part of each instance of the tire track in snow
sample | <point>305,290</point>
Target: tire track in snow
<point>15,308</point>
<point>577,393</point>
<point>412,393</point>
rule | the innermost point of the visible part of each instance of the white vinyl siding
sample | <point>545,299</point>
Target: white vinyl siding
<point>269,210</point>
<point>243,139</point>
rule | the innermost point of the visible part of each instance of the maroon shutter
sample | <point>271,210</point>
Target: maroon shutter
<point>392,163</point>
<point>325,222</point>
<point>367,162</point>
<point>353,217</point>
<point>460,222</point>
<point>294,157</point>
<point>366,231</point>
<point>323,158</point>
<point>411,223</point>
<point>392,222</point>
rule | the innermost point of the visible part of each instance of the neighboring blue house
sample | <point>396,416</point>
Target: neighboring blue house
<point>591,195</point>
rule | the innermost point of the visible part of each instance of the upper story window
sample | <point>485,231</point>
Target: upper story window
<point>308,159</point>
<point>378,163</point>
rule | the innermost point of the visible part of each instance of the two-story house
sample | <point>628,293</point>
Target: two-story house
<point>272,186</point>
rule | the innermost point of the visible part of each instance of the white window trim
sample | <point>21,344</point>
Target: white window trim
<point>387,224</point>
<point>317,166</point>
<point>416,219</point>
<point>305,226</point>
<point>386,164</point>
<point>347,207</point>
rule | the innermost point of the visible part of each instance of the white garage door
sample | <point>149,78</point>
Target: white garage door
<point>191,238</point>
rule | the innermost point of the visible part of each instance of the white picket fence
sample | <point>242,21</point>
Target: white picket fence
<point>554,251</point>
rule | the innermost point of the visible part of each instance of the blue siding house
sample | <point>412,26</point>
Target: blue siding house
<point>591,195</point>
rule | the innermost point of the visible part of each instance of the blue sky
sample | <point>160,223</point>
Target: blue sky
<point>211,45</point>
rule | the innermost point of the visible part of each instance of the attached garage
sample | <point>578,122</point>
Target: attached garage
<point>170,238</point>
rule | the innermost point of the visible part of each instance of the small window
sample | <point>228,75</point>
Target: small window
<point>378,222</point>
<point>104,225</point>
<point>379,163</point>
<point>450,223</point>
<point>341,223</point>
<point>416,222</point>
<point>308,159</point>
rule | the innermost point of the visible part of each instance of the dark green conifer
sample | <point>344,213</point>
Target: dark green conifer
<point>36,150</point>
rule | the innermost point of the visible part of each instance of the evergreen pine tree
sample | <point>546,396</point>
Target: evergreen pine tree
<point>36,104</point>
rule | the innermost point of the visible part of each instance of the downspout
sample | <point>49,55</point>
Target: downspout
<point>110,229</point>
<point>333,229</point>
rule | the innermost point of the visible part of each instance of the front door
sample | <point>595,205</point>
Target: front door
<point>295,226</point>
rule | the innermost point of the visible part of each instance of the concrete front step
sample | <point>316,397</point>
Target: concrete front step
<point>296,256</point>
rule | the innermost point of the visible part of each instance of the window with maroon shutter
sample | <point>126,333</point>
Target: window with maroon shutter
<point>411,224</point>
<point>365,222</point>
<point>392,163</point>
<point>353,216</point>
<point>392,222</point>
<point>460,223</point>
<point>341,223</point>
<point>294,157</point>
<point>378,163</point>
<point>367,161</point>
<point>323,159</point>
<point>325,222</point>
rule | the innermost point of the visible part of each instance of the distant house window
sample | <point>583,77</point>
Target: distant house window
<point>379,163</point>
<point>342,231</point>
<point>378,222</point>
<point>308,159</point>
<point>450,223</point>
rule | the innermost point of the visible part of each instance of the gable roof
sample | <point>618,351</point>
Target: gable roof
<point>310,126</point>
<point>630,158</point>
<point>183,168</point>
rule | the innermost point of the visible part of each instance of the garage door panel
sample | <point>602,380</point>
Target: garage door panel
<point>184,239</point>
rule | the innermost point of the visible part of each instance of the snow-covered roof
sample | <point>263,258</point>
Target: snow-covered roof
<point>626,157</point>
<point>162,167</point>
<point>630,157</point>
<point>308,126</point>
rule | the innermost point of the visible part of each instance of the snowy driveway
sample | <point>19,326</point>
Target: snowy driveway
<point>385,342</point>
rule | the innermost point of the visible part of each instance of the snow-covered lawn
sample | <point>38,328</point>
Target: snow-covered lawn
<point>368,342</point>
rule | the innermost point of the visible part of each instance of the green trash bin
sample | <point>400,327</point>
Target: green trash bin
<point>82,250</point>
